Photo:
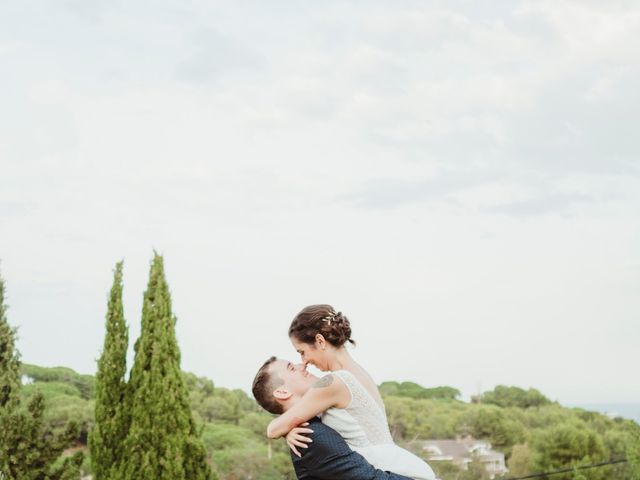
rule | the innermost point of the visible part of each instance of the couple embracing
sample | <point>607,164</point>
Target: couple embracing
<point>336,425</point>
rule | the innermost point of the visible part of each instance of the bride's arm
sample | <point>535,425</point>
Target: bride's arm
<point>323,394</point>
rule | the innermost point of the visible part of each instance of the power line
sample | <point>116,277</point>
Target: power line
<point>565,470</point>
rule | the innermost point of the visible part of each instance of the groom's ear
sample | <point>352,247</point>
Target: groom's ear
<point>282,393</point>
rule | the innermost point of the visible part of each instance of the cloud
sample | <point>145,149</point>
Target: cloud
<point>91,11</point>
<point>437,158</point>
<point>215,55</point>
<point>390,193</point>
<point>9,208</point>
<point>545,204</point>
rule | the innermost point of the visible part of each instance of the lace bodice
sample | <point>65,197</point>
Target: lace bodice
<point>363,422</point>
<point>363,425</point>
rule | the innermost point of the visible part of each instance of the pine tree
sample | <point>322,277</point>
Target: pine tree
<point>162,443</point>
<point>111,412</point>
<point>27,452</point>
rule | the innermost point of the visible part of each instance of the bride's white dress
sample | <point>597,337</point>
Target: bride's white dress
<point>363,425</point>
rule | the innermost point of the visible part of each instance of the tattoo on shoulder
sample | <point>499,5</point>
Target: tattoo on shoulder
<point>324,382</point>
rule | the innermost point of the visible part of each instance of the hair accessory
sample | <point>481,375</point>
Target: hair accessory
<point>331,316</point>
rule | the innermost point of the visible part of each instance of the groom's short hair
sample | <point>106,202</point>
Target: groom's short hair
<point>263,386</point>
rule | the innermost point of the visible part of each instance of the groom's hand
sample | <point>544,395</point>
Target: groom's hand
<point>296,438</point>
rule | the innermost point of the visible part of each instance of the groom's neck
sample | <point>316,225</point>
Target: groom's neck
<point>290,403</point>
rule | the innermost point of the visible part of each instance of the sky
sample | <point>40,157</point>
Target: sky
<point>461,179</point>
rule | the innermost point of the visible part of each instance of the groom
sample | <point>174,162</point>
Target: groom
<point>277,387</point>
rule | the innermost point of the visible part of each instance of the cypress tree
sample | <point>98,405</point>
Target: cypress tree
<point>27,452</point>
<point>111,412</point>
<point>162,443</point>
<point>9,359</point>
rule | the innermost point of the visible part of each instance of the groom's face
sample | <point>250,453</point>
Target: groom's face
<point>295,376</point>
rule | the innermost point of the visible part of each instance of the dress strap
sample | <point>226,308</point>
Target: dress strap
<point>349,381</point>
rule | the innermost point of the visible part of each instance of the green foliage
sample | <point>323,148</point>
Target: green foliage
<point>50,390</point>
<point>404,419</point>
<point>475,471</point>
<point>515,397</point>
<point>449,471</point>
<point>413,390</point>
<point>232,464</point>
<point>238,448</point>
<point>519,462</point>
<point>27,450</point>
<point>28,453</point>
<point>162,441</point>
<point>256,422</point>
<point>578,475</point>
<point>65,404</point>
<point>528,435</point>
<point>211,404</point>
<point>111,410</point>
<point>416,418</point>
<point>220,436</point>
<point>571,443</point>
<point>239,453</point>
<point>493,423</point>
<point>84,383</point>
<point>446,470</point>
<point>179,419</point>
<point>64,409</point>
<point>223,406</point>
<point>9,359</point>
<point>632,453</point>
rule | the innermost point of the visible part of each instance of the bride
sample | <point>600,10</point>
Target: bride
<point>346,399</point>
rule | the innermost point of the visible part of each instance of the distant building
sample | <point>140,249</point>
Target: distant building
<point>463,451</point>
<point>26,380</point>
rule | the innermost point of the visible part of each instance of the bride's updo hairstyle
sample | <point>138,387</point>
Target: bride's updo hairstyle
<point>322,319</point>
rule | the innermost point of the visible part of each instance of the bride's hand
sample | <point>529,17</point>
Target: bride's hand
<point>295,438</point>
